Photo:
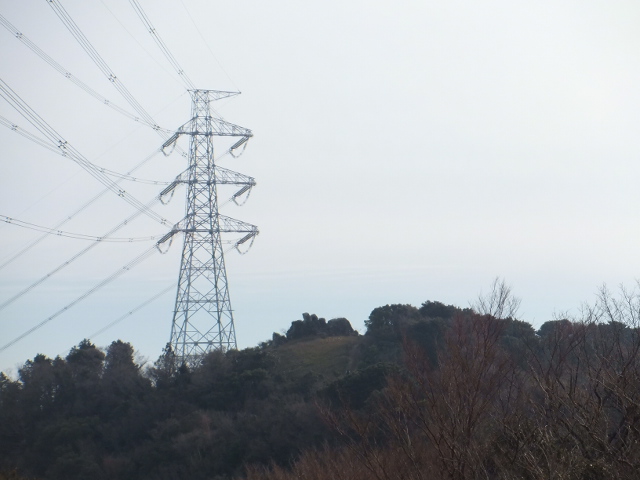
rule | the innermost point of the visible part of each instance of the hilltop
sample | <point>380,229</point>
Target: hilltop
<point>431,392</point>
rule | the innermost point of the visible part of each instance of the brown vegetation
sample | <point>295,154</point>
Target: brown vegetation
<point>561,405</point>
<point>435,392</point>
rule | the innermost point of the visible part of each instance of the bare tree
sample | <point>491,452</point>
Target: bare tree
<point>584,395</point>
<point>566,407</point>
<point>499,302</point>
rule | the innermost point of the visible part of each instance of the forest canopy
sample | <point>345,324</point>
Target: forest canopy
<point>429,392</point>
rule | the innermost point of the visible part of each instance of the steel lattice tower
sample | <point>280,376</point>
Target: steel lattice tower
<point>203,317</point>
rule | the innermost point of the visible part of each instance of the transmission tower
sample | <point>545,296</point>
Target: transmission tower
<point>203,317</point>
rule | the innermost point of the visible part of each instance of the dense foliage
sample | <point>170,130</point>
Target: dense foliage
<point>99,415</point>
<point>426,393</point>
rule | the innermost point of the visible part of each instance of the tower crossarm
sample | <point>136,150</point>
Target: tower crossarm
<point>219,128</point>
<point>231,225</point>
<point>220,94</point>
<point>229,177</point>
<point>223,176</point>
<point>226,225</point>
<point>224,128</point>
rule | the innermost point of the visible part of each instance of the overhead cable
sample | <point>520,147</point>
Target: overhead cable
<point>54,148</point>
<point>69,151</point>
<point>83,207</point>
<point>133,310</point>
<point>34,138</point>
<point>77,236</point>
<point>104,68</point>
<point>133,263</point>
<point>204,40</point>
<point>163,47</point>
<point>100,63</point>
<point>65,264</point>
<point>142,47</point>
<point>228,225</point>
<point>64,72</point>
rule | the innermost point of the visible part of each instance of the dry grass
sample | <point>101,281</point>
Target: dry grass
<point>330,357</point>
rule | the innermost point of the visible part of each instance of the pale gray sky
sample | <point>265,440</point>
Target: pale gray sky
<point>404,152</point>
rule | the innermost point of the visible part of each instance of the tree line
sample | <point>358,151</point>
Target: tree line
<point>435,392</point>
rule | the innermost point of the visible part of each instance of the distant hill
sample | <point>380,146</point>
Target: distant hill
<point>505,400</point>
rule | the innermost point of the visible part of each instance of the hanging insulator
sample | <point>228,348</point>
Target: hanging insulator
<point>170,190</point>
<point>235,146</point>
<point>163,240</point>
<point>249,236</point>
<point>245,238</point>
<point>246,188</point>
<point>171,141</point>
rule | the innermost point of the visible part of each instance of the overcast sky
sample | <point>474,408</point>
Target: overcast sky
<point>404,151</point>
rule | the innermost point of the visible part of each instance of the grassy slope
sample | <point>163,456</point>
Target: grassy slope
<point>329,357</point>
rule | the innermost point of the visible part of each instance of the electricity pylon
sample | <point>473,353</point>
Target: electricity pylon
<point>203,317</point>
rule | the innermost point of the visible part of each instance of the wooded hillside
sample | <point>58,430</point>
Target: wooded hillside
<point>426,393</point>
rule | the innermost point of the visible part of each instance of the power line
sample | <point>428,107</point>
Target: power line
<point>207,45</point>
<point>72,259</point>
<point>48,145</point>
<point>64,72</point>
<point>206,228</point>
<point>224,176</point>
<point>104,68</point>
<point>71,216</point>
<point>170,74</point>
<point>132,311</point>
<point>163,47</point>
<point>226,223</point>
<point>133,263</point>
<point>77,236</point>
<point>55,138</point>
<point>30,136</point>
<point>100,63</point>
<point>54,148</point>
